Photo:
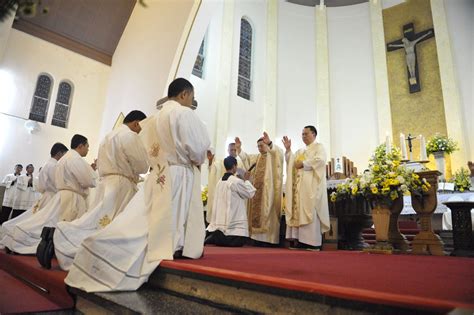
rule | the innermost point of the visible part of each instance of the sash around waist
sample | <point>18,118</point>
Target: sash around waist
<point>134,181</point>
<point>74,191</point>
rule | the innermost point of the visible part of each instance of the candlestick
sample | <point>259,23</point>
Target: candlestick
<point>423,156</point>
<point>403,147</point>
<point>388,144</point>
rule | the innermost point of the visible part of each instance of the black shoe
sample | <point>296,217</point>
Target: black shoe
<point>178,254</point>
<point>45,249</point>
<point>8,251</point>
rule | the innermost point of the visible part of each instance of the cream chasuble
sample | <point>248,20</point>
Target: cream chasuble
<point>306,194</point>
<point>264,209</point>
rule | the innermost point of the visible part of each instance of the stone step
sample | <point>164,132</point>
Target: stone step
<point>146,300</point>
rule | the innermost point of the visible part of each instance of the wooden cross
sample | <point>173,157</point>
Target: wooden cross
<point>409,42</point>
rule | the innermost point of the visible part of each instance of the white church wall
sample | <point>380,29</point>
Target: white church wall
<point>142,61</point>
<point>354,130</point>
<point>208,23</point>
<point>296,106</point>
<point>25,58</point>
<point>246,117</point>
<point>206,92</point>
<point>5,28</point>
<point>460,17</point>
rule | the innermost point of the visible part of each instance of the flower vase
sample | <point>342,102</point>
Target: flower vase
<point>440,163</point>
<point>426,242</point>
<point>397,239</point>
<point>381,218</point>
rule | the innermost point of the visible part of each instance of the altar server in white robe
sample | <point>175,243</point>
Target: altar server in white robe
<point>229,223</point>
<point>73,177</point>
<point>307,212</point>
<point>46,186</point>
<point>9,181</point>
<point>122,158</point>
<point>26,192</point>
<point>215,167</point>
<point>164,219</point>
<point>242,166</point>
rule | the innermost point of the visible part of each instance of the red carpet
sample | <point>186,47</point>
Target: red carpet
<point>27,267</point>
<point>17,297</point>
<point>423,282</point>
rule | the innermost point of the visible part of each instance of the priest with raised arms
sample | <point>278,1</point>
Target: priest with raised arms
<point>73,178</point>
<point>307,213</point>
<point>229,223</point>
<point>46,186</point>
<point>264,209</point>
<point>122,158</point>
<point>164,219</point>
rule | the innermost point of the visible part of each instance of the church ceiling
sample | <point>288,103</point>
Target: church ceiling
<point>329,3</point>
<point>89,27</point>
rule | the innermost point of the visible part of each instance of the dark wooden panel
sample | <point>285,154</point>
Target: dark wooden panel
<point>329,3</point>
<point>90,27</point>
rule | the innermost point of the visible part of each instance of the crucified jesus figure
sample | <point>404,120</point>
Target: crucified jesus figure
<point>410,55</point>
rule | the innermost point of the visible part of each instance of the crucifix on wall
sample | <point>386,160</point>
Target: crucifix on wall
<point>408,42</point>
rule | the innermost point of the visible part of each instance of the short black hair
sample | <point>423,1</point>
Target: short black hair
<point>133,116</point>
<point>229,162</point>
<point>313,129</point>
<point>30,165</point>
<point>18,165</point>
<point>260,139</point>
<point>58,147</point>
<point>179,85</point>
<point>78,140</point>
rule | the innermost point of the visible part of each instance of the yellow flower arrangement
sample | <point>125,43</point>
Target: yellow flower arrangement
<point>204,193</point>
<point>384,181</point>
<point>462,180</point>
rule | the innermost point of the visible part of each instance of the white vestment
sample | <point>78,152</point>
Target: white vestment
<point>73,179</point>
<point>47,187</point>
<point>164,216</point>
<point>230,207</point>
<point>307,212</point>
<point>264,209</point>
<point>215,173</point>
<point>9,182</point>
<point>25,195</point>
<point>122,157</point>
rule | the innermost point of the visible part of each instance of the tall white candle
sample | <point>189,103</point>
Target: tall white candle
<point>423,156</point>
<point>388,144</point>
<point>403,147</point>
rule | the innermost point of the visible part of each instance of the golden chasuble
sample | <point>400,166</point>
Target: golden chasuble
<point>256,203</point>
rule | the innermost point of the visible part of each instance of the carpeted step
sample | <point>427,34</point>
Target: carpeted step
<point>49,282</point>
<point>268,280</point>
<point>18,297</point>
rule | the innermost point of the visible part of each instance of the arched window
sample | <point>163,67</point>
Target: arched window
<point>244,84</point>
<point>198,69</point>
<point>63,105</point>
<point>39,106</point>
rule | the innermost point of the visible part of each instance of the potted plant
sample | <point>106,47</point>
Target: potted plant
<point>439,145</point>
<point>462,180</point>
<point>383,185</point>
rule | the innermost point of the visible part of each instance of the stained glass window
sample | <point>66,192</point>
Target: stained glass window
<point>39,106</point>
<point>244,84</point>
<point>198,69</point>
<point>63,105</point>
